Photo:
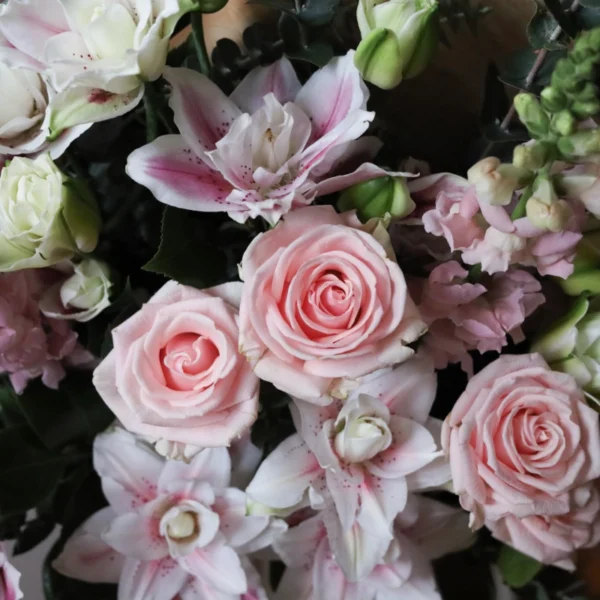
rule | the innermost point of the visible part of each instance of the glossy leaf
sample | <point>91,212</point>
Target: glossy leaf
<point>541,31</point>
<point>186,252</point>
<point>33,533</point>
<point>520,65</point>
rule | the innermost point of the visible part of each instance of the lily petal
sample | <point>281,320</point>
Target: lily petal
<point>155,580</point>
<point>177,177</point>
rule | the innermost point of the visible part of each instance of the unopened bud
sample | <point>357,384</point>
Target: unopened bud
<point>552,217</point>
<point>531,156</point>
<point>531,113</point>
<point>580,144</point>
<point>553,99</point>
<point>564,123</point>
<point>584,109</point>
<point>495,182</point>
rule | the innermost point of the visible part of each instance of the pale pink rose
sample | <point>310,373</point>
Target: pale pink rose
<point>9,579</point>
<point>322,302</point>
<point>175,372</point>
<point>361,457</point>
<point>271,146</point>
<point>171,530</point>
<point>553,540</point>
<point>32,345</point>
<point>463,316</point>
<point>520,439</point>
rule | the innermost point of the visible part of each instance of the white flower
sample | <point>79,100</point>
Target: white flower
<point>82,296</point>
<point>98,52</point>
<point>43,218</point>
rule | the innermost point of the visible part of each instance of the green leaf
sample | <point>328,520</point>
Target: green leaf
<point>316,13</point>
<point>73,412</point>
<point>33,533</point>
<point>563,17</point>
<point>186,252</point>
<point>517,569</point>
<point>9,405</point>
<point>541,30</point>
<point>587,17</point>
<point>520,65</point>
<point>590,3</point>
<point>30,471</point>
<point>318,53</point>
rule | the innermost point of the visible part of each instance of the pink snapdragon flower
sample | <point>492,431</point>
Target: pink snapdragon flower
<point>172,530</point>
<point>427,530</point>
<point>32,345</point>
<point>487,235</point>
<point>268,147</point>
<point>359,459</point>
<point>9,579</point>
<point>463,316</point>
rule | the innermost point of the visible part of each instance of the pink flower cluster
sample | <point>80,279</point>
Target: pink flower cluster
<point>463,316</point>
<point>32,345</point>
<point>487,235</point>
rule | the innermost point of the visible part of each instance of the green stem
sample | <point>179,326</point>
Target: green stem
<point>151,113</point>
<point>521,208</point>
<point>199,43</point>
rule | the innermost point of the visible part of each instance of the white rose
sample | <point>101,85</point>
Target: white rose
<point>44,219</point>
<point>81,297</point>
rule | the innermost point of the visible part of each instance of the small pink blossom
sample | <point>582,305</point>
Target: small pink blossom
<point>32,345</point>
<point>172,529</point>
<point>520,439</point>
<point>359,457</point>
<point>554,539</point>
<point>269,147</point>
<point>9,579</point>
<point>487,235</point>
<point>464,316</point>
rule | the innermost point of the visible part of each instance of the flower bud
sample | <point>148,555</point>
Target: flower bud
<point>531,156</point>
<point>586,275</point>
<point>377,198</point>
<point>564,122</point>
<point>495,182</point>
<point>362,439</point>
<point>209,6</point>
<point>81,297</point>
<point>553,100</point>
<point>580,144</point>
<point>531,113</point>
<point>44,216</point>
<point>573,345</point>
<point>584,109</point>
<point>399,39</point>
<point>545,210</point>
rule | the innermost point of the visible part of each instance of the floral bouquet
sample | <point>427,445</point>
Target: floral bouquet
<point>251,348</point>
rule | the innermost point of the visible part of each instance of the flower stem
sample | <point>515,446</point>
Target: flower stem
<point>199,43</point>
<point>151,113</point>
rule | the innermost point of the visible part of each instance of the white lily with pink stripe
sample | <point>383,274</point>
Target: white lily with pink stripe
<point>269,147</point>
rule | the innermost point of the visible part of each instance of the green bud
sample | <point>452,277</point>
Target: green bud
<point>589,92</point>
<point>398,39</point>
<point>564,123</point>
<point>208,6</point>
<point>531,156</point>
<point>378,59</point>
<point>593,39</point>
<point>531,113</point>
<point>378,198</point>
<point>553,99</point>
<point>573,345</point>
<point>585,109</point>
<point>587,68</point>
<point>580,144</point>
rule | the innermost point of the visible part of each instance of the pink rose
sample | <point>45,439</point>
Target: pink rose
<point>175,372</point>
<point>520,438</point>
<point>9,579</point>
<point>553,539</point>
<point>32,345</point>
<point>323,301</point>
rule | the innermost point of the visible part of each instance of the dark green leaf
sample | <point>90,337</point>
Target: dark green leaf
<point>282,5</point>
<point>73,412</point>
<point>563,16</point>
<point>517,569</point>
<point>590,3</point>
<point>30,471</point>
<point>521,64</point>
<point>587,18</point>
<point>318,53</point>
<point>186,252</point>
<point>541,31</point>
<point>9,405</point>
<point>495,103</point>
<point>210,6</point>
<point>33,533</point>
<point>318,12</point>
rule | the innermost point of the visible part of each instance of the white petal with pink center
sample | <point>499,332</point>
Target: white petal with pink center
<point>172,528</point>
<point>364,455</point>
<point>271,146</point>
